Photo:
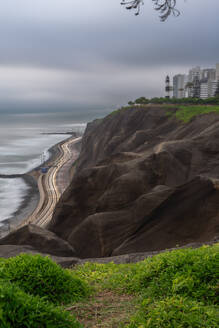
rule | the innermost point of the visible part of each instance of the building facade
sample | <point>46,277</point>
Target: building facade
<point>217,72</point>
<point>199,83</point>
<point>209,73</point>
<point>179,85</point>
<point>203,89</point>
<point>212,87</point>
<point>194,73</point>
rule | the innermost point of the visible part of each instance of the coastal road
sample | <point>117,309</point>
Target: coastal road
<point>52,184</point>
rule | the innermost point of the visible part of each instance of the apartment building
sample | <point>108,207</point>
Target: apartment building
<point>209,73</point>
<point>199,83</point>
<point>217,72</point>
<point>203,89</point>
<point>212,87</point>
<point>195,73</point>
<point>179,85</point>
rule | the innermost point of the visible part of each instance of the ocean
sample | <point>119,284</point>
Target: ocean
<point>23,140</point>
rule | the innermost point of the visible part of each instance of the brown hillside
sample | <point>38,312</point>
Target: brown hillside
<point>144,181</point>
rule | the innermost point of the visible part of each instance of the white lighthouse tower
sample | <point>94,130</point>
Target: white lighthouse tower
<point>167,86</point>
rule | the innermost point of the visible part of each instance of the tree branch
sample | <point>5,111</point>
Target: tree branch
<point>165,7</point>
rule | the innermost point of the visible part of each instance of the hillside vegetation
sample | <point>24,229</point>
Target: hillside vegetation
<point>183,113</point>
<point>172,289</point>
<point>186,113</point>
<point>176,101</point>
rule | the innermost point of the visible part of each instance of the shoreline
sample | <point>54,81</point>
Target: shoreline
<point>32,196</point>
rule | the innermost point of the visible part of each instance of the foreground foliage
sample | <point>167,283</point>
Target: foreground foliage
<point>40,276</point>
<point>175,311</point>
<point>174,289</point>
<point>21,310</point>
<point>31,287</point>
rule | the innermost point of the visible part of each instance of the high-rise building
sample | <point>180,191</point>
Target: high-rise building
<point>212,87</point>
<point>196,87</point>
<point>208,73</point>
<point>199,83</point>
<point>179,85</point>
<point>204,88</point>
<point>194,77</point>
<point>217,71</point>
<point>194,73</point>
<point>217,90</point>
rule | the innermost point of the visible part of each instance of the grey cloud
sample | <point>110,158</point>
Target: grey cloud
<point>102,54</point>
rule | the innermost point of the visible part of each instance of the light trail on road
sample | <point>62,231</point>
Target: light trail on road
<point>48,186</point>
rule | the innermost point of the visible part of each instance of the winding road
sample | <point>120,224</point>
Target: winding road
<point>51,186</point>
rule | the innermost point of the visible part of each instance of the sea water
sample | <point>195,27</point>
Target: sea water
<point>23,140</point>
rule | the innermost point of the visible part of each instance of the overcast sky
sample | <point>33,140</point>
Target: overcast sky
<point>69,54</point>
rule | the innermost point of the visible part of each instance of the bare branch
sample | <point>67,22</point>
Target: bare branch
<point>134,4</point>
<point>165,7</point>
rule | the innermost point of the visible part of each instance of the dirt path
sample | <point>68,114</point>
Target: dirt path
<point>104,310</point>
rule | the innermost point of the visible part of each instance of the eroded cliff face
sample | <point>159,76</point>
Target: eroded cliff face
<point>144,182</point>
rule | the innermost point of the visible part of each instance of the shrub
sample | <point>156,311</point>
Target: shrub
<point>190,272</point>
<point>20,310</point>
<point>176,289</point>
<point>40,276</point>
<point>175,312</point>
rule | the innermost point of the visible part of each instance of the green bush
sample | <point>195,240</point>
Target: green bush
<point>175,312</point>
<point>20,310</point>
<point>39,275</point>
<point>177,101</point>
<point>175,289</point>
<point>189,272</point>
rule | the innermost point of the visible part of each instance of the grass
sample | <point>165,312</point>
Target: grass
<point>172,289</point>
<point>32,289</point>
<point>175,312</point>
<point>40,276</point>
<point>186,113</point>
<point>119,110</point>
<point>177,289</point>
<point>21,310</point>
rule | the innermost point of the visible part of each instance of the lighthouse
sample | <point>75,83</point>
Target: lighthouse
<point>167,86</point>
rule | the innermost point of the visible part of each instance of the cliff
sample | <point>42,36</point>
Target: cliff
<point>145,181</point>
